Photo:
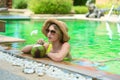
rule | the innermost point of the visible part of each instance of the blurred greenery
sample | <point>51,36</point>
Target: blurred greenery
<point>80,9</point>
<point>51,7</point>
<point>79,2</point>
<point>61,6</point>
<point>19,4</point>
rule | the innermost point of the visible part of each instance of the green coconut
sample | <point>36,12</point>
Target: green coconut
<point>38,51</point>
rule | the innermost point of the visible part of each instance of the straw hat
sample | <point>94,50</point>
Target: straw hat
<point>60,24</point>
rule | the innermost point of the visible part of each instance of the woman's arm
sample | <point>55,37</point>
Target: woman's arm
<point>27,49</point>
<point>61,54</point>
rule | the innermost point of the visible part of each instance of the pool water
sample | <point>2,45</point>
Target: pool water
<point>91,40</point>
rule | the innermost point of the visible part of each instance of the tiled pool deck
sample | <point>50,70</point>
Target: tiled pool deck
<point>112,18</point>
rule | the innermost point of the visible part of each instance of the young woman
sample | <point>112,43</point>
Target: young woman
<point>58,47</point>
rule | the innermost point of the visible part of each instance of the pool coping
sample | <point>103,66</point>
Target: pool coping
<point>112,18</point>
<point>31,15</point>
<point>84,70</point>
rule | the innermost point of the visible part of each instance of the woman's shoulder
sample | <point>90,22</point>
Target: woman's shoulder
<point>66,44</point>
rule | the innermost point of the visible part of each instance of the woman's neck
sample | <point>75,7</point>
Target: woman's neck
<point>56,45</point>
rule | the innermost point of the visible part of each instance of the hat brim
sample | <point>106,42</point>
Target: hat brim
<point>62,26</point>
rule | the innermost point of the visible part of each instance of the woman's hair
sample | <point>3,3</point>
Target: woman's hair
<point>61,25</point>
<point>59,31</point>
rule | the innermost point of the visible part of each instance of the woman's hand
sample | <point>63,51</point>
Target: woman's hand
<point>40,41</point>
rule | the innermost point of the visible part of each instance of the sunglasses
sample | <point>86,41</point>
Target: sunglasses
<point>51,31</point>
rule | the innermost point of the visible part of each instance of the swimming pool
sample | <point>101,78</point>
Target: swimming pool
<point>92,40</point>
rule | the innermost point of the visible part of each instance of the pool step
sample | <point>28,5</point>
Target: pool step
<point>7,39</point>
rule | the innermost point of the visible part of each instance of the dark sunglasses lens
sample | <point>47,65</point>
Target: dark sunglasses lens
<point>53,32</point>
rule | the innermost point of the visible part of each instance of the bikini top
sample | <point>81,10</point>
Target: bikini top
<point>50,47</point>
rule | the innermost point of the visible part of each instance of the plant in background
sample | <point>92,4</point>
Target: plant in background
<point>2,3</point>
<point>79,2</point>
<point>80,9</point>
<point>19,4</point>
<point>50,6</point>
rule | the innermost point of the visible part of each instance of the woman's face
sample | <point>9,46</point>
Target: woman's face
<point>52,34</point>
